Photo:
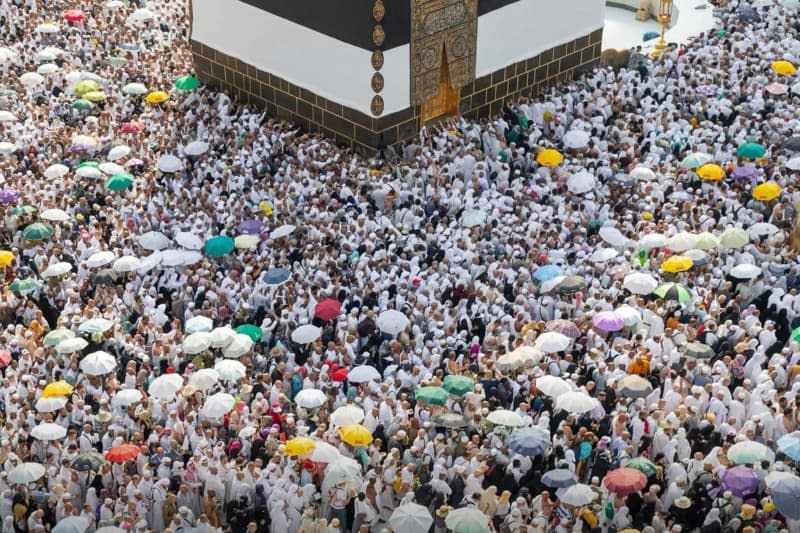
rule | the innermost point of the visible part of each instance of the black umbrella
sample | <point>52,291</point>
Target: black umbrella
<point>623,180</point>
<point>105,277</point>
<point>698,350</point>
<point>87,461</point>
<point>748,14</point>
<point>793,144</point>
<point>571,285</point>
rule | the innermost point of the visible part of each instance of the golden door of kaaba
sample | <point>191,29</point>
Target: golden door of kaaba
<point>444,36</point>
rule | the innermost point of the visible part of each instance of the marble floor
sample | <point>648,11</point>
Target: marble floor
<point>623,31</point>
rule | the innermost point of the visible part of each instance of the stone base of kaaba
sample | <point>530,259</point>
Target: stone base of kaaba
<point>484,97</point>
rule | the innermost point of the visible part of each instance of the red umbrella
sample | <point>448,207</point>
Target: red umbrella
<point>624,481</point>
<point>132,127</point>
<point>122,453</point>
<point>5,358</point>
<point>339,375</point>
<point>74,15</point>
<point>328,309</point>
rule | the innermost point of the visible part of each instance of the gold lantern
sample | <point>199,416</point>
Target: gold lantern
<point>664,19</point>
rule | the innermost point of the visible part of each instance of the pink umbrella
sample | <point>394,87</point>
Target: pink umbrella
<point>608,321</point>
<point>74,15</point>
<point>776,88</point>
<point>565,327</point>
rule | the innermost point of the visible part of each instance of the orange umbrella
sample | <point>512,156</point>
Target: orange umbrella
<point>122,453</point>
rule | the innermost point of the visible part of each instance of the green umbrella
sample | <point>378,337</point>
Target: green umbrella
<point>219,246</point>
<point>38,231</point>
<point>23,210</point>
<point>119,182</point>
<point>432,395</point>
<point>673,291</point>
<point>458,385</point>
<point>645,466</point>
<point>187,83</point>
<point>82,104</point>
<point>93,164</point>
<point>751,151</point>
<point>57,335</point>
<point>116,61</point>
<point>23,285</point>
<point>254,332</point>
<point>796,334</point>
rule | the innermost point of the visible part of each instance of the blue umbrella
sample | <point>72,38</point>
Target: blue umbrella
<point>650,35</point>
<point>790,445</point>
<point>547,272</point>
<point>784,496</point>
<point>749,14</point>
<point>559,478</point>
<point>276,276</point>
<point>530,442</point>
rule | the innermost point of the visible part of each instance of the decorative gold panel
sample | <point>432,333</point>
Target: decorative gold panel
<point>377,60</point>
<point>439,26</point>
<point>377,82</point>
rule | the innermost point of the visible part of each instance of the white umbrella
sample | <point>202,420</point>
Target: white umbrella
<point>51,404</point>
<point>89,172</point>
<point>472,217</point>
<point>126,263</point>
<point>47,68</point>
<point>75,344</point>
<point>282,231</point>
<point>204,379</point>
<point>612,236</point>
<point>639,283</point>
<point>793,163</point>
<point>54,215</point>
<point>57,269</point>
<point>100,259</point>
<point>196,343</point>
<point>218,405</point>
<point>7,148</point>
<point>346,415</point>
<point>154,240</point>
<point>509,361</point>
<point>306,334</point>
<point>362,374</point>
<point>8,116</point>
<point>342,470</point>
<point>528,354</point>
<point>392,322</point>
<point>188,240</point>
<point>240,345</point>
<point>762,228</point>
<point>230,370</point>
<point>169,164</point>
<point>324,453</point>
<point>48,27</point>
<point>629,315</point>
<point>118,152</point>
<point>682,241</point>
<point>576,495</point>
<point>551,284</point>
<point>311,399</point>
<point>26,473</point>
<point>576,402</point>
<point>552,386</point>
<point>552,342</point>
<point>141,16</point>
<point>71,524</point>
<point>126,397</point>
<point>582,182</point>
<point>110,169</point>
<point>576,139</point>
<point>95,325</point>
<point>31,79</point>
<point>98,363</point>
<point>56,171</point>
<point>643,173</point>
<point>601,255</point>
<point>196,148</point>
<point>222,336</point>
<point>48,431</point>
<point>706,241</point>
<point>504,417</point>
<point>198,323</point>
<point>467,520</point>
<point>411,517</point>
<point>6,55</point>
<point>247,432</point>
<point>746,271</point>
<point>165,387</point>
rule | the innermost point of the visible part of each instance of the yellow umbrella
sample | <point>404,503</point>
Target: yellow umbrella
<point>711,172</point>
<point>677,263</point>
<point>57,388</point>
<point>299,446</point>
<point>86,86</point>
<point>94,96</point>
<point>266,208</point>
<point>156,97</point>
<point>549,158</point>
<point>766,192</point>
<point>784,68</point>
<point>355,435</point>
<point>5,258</point>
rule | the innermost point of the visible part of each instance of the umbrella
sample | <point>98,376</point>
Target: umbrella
<point>126,264</point>
<point>643,173</point>
<point>608,321</point>
<point>706,241</point>
<point>509,361</point>
<point>204,379</point>
<point>695,160</point>
<point>697,350</point>
<point>642,464</point>
<point>71,524</point>
<point>47,68</point>
<point>582,182</point>
<point>126,397</point>
<point>571,285</point>
<point>630,316</point>
<point>563,326</point>
<point>89,172</point>
<point>784,68</point>
<point>776,88</point>
<point>86,462</point>
<point>217,405</point>
<point>198,323</point>
<point>6,258</point>
<point>276,276</point>
<point>196,343</point>
<point>576,402</point>
<point>504,417</point>
<point>31,79</point>
<point>154,240</point>
<point>71,345</point>
<point>26,473</point>
<point>252,331</point>
<point>748,452</point>
<point>23,286</point>
<point>246,242</point>
<point>458,385</point>
<point>559,478</point>
<point>639,283</point>
<point>363,374</point>
<point>355,435</point>
<point>634,387</point>
<point>134,89</point>
<point>529,441</point>
<point>766,192</point>
<point>252,226</point>
<point>784,496</point>
<point>282,231</point>
<point>118,152</point>
<point>411,517</point>
<point>7,116</point>
<point>299,446</point>
<point>158,97</point>
<point>38,231</point>
<point>467,520</point>
<point>612,236</point>
<point>748,14</point>
<point>681,241</point>
<point>601,255</point>
<point>7,148</point>
<point>734,238</point>
<point>240,345</point>
<point>576,139</point>
<point>57,269</point>
<point>95,325</point>
<point>314,398</point>
<point>222,336</point>
<point>342,470</point>
<point>673,291</point>
<point>450,420</point>
<point>740,480</point>
<point>745,271</point>
<point>762,228</point>
<point>745,171</point>
<point>710,172</point>
<point>196,148</point>
<point>100,259</point>
<point>751,151</point>
<point>552,386</point>
<point>677,263</point>
<point>547,272</point>
<point>57,336</point>
<point>622,179</point>
<point>169,164</point>
<point>347,415</point>
<point>165,386</point>
<point>50,405</point>
<point>551,284</point>
<point>95,96</point>
<point>431,395</point>
<point>54,215</point>
<point>549,157</point>
<point>392,322</point>
<point>48,431</point>
<point>98,363</point>
<point>219,246</point>
<point>577,495</point>
<point>789,444</point>
<point>328,309</point>
<point>122,453</point>
<point>189,240</point>
<point>552,342</point>
<point>793,143</point>
<point>230,370</point>
<point>472,217</point>
<point>57,388</point>
<point>306,334</point>
<point>624,481</point>
<point>187,83</point>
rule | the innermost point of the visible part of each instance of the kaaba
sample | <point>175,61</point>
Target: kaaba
<point>369,73</point>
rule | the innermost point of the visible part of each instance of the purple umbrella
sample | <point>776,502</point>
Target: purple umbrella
<point>707,90</point>
<point>8,195</point>
<point>740,480</point>
<point>745,171</point>
<point>565,327</point>
<point>251,227</point>
<point>608,321</point>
